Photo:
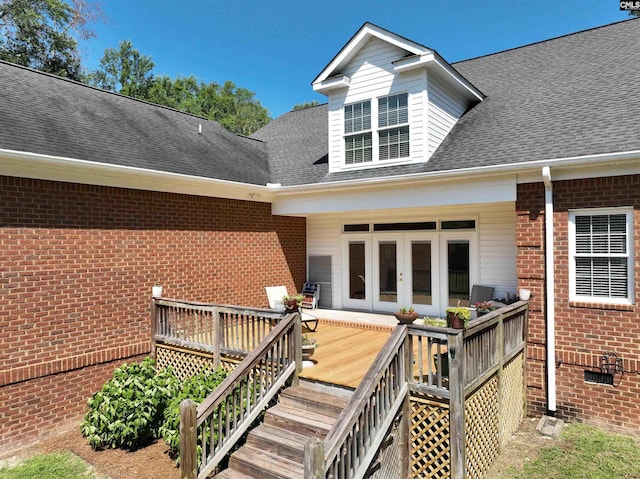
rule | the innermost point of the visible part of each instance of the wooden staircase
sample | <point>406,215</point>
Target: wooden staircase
<point>275,449</point>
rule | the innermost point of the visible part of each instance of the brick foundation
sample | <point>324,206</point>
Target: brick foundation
<point>584,332</point>
<point>78,263</point>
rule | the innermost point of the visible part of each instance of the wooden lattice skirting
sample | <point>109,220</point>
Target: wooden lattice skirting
<point>429,437</point>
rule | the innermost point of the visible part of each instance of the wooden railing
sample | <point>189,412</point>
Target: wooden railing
<point>353,442</point>
<point>445,363</point>
<point>218,329</point>
<point>452,364</point>
<point>209,431</point>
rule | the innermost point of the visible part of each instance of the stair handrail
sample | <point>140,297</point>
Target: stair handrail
<point>239,399</point>
<point>363,424</point>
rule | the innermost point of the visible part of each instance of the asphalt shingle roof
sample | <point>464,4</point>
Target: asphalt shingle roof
<point>570,96</point>
<point>44,114</point>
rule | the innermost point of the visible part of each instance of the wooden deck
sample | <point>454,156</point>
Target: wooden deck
<point>344,354</point>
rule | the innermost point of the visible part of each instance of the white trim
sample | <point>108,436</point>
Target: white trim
<point>527,172</point>
<point>332,84</point>
<point>628,212</point>
<point>411,63</point>
<point>55,168</point>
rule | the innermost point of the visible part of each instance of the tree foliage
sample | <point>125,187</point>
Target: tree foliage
<point>306,104</point>
<point>36,33</point>
<point>125,70</point>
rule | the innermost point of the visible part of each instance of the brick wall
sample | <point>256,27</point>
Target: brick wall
<point>78,263</point>
<point>584,332</point>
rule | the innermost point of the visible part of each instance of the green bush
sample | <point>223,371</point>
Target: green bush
<point>128,411</point>
<point>196,388</point>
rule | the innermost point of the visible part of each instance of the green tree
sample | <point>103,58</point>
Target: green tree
<point>36,33</point>
<point>124,70</point>
<point>306,104</point>
<point>233,107</point>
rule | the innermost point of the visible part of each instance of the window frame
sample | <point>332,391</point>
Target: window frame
<point>629,255</point>
<point>374,132</point>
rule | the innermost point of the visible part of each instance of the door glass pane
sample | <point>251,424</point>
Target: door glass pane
<point>458,264</point>
<point>356,270</point>
<point>421,272</point>
<point>388,287</point>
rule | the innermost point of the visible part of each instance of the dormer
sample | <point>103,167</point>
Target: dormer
<point>391,101</point>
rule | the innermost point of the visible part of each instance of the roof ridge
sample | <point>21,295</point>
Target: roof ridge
<point>546,40</point>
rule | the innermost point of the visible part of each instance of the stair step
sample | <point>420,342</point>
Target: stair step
<point>307,399</point>
<point>278,441</point>
<point>264,465</point>
<point>307,423</point>
<point>233,474</point>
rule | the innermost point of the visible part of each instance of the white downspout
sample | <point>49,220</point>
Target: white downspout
<point>550,288</point>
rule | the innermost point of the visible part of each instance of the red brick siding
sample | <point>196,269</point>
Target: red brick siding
<point>78,263</point>
<point>583,331</point>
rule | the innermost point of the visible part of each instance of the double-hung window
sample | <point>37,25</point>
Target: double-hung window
<point>377,130</point>
<point>601,249</point>
<point>357,129</point>
<point>393,122</point>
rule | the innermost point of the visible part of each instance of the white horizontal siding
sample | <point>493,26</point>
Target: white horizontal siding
<point>495,227</point>
<point>371,76</point>
<point>445,110</point>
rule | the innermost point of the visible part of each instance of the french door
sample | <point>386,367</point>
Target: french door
<point>387,271</point>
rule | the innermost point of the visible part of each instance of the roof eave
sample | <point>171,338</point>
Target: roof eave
<point>522,169</point>
<point>46,167</point>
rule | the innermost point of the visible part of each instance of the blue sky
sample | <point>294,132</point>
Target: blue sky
<point>276,48</point>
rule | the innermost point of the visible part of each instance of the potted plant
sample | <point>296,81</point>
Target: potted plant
<point>156,290</point>
<point>458,317</point>
<point>292,303</point>
<point>484,307</point>
<point>308,347</point>
<point>406,316</point>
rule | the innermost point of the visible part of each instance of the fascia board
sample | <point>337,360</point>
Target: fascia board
<point>461,82</point>
<point>45,167</point>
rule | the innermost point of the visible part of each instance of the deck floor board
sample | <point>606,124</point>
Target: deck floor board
<point>344,353</point>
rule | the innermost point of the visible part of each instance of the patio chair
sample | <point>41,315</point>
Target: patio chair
<point>480,294</point>
<point>311,294</point>
<point>275,295</point>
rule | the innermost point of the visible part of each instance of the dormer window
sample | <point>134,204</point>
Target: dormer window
<point>357,119</point>
<point>391,139</point>
<point>393,111</point>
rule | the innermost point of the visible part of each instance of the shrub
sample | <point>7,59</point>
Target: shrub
<point>197,388</point>
<point>128,411</point>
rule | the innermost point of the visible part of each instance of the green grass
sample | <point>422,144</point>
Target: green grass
<point>50,466</point>
<point>584,452</point>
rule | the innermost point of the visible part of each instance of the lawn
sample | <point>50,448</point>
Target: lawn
<point>583,452</point>
<point>63,465</point>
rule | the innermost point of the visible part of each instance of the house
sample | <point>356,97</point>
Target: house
<point>417,180</point>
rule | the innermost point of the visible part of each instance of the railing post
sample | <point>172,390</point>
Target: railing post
<point>456,404</point>
<point>188,446</point>
<point>500,342</point>
<point>405,421</point>
<point>314,459</point>
<point>154,326</point>
<point>217,338</point>
<point>297,349</point>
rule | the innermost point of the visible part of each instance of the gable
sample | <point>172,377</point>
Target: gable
<point>404,100</point>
